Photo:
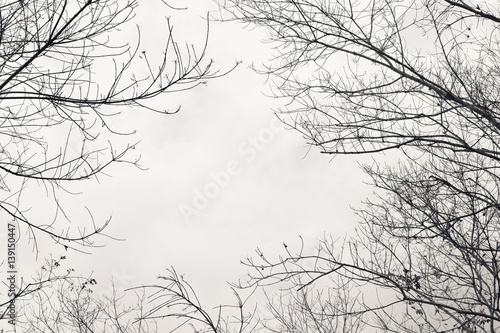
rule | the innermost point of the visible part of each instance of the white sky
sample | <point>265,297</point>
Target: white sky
<point>279,193</point>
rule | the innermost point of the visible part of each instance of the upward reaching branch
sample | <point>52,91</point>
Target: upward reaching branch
<point>363,77</point>
<point>369,77</point>
<point>63,67</point>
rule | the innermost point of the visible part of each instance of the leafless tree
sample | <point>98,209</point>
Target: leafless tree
<point>70,304</point>
<point>424,258</point>
<point>65,68</point>
<point>174,298</point>
<point>419,74</point>
<point>416,76</point>
<point>66,302</point>
<point>48,275</point>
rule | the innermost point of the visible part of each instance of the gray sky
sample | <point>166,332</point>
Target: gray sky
<point>278,190</point>
<point>271,188</point>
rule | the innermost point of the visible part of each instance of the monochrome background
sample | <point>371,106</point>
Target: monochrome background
<point>223,176</point>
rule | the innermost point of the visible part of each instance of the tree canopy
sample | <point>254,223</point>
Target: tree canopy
<point>66,68</point>
<point>414,78</point>
<point>420,77</point>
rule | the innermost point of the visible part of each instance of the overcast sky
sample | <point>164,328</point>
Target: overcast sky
<point>224,177</point>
